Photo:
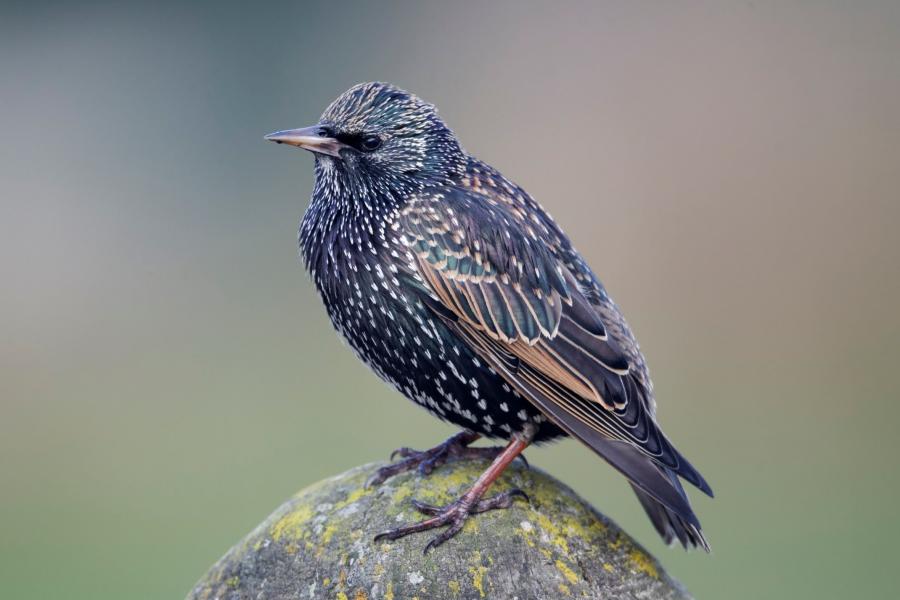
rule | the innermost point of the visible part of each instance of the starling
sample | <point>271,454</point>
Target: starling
<point>457,288</point>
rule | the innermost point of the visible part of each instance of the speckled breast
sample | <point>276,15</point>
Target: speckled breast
<point>371,301</point>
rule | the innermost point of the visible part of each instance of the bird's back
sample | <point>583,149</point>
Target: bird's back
<point>484,179</point>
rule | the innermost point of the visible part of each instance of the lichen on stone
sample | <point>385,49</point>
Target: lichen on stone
<point>321,541</point>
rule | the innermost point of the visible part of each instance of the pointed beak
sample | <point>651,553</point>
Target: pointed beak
<point>308,138</point>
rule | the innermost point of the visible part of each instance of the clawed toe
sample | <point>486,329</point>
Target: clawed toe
<point>502,500</point>
<point>427,461</point>
<point>427,509</point>
<point>455,527</point>
<point>403,452</point>
<point>454,515</point>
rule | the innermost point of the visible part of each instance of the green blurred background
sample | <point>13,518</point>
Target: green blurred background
<point>168,376</point>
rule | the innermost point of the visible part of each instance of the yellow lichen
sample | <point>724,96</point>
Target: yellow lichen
<point>328,533</point>
<point>555,524</point>
<point>233,581</point>
<point>291,524</point>
<point>642,562</point>
<point>567,572</point>
<point>553,530</point>
<point>445,489</point>
<point>478,572</point>
<point>526,530</point>
<point>352,497</point>
<point>401,494</point>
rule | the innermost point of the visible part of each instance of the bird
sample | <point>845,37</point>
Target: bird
<point>459,290</point>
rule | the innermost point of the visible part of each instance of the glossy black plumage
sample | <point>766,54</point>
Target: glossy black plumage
<point>457,288</point>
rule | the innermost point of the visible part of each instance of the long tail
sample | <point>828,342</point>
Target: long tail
<point>659,490</point>
<point>668,523</point>
<point>657,486</point>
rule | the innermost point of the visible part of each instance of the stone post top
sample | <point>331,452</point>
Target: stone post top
<point>319,544</point>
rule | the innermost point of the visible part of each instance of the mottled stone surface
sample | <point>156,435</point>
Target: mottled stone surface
<point>319,545</point>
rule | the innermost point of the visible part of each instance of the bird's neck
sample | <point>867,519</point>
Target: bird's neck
<point>350,212</point>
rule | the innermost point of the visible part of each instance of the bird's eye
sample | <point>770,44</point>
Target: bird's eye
<point>368,143</point>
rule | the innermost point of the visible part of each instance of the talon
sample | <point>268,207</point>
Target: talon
<point>454,515</point>
<point>383,535</point>
<point>376,478</point>
<point>436,541</point>
<point>519,493</point>
<point>503,500</point>
<point>426,460</point>
<point>403,452</point>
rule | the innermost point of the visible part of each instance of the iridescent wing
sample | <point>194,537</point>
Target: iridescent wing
<point>505,281</point>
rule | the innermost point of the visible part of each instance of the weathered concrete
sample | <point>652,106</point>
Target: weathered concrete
<point>319,545</point>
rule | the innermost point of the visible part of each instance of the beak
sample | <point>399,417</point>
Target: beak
<point>308,138</point>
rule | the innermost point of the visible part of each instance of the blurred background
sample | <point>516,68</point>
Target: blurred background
<point>168,376</point>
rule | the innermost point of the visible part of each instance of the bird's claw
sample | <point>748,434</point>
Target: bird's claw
<point>453,515</point>
<point>427,461</point>
<point>502,500</point>
<point>403,452</point>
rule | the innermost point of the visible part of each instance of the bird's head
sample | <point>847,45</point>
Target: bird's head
<point>377,134</point>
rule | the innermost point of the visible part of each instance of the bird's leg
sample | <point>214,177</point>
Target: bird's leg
<point>455,514</point>
<point>426,461</point>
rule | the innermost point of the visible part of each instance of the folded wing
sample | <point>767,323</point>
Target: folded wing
<point>506,282</point>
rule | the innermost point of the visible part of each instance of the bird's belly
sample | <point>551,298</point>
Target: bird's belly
<point>408,347</point>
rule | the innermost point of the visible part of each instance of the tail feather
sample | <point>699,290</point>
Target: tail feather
<point>669,525</point>
<point>658,488</point>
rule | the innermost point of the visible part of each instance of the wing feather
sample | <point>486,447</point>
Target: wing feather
<point>521,306</point>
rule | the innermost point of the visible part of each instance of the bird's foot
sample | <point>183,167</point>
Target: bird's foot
<point>453,515</point>
<point>427,460</point>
